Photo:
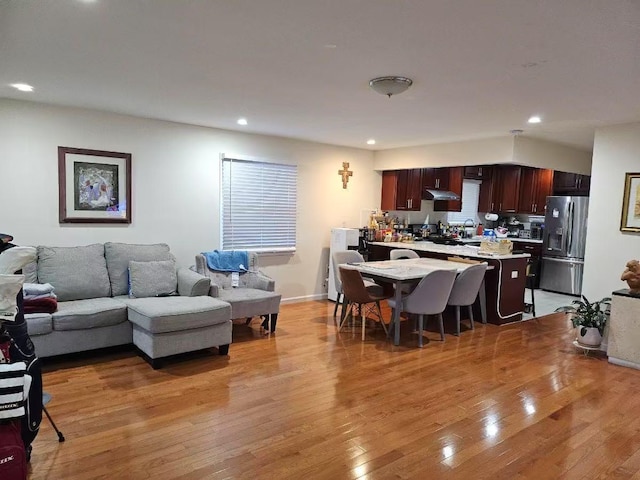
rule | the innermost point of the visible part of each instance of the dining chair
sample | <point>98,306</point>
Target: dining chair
<point>348,256</point>
<point>465,291</point>
<point>428,298</point>
<point>357,294</point>
<point>402,253</point>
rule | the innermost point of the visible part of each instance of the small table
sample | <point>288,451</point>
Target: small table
<point>409,272</point>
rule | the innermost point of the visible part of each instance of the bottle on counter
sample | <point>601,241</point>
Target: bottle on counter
<point>479,230</point>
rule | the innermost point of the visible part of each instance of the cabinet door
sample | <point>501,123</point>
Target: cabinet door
<point>528,190</point>
<point>487,187</point>
<point>564,182</point>
<point>544,188</point>
<point>435,178</point>
<point>584,184</point>
<point>509,186</point>
<point>476,172</point>
<point>402,189</point>
<point>414,189</point>
<point>389,189</point>
<point>454,184</point>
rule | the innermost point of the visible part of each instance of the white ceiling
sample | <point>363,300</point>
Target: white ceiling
<point>300,68</point>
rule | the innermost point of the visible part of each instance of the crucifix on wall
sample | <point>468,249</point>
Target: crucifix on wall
<point>345,173</point>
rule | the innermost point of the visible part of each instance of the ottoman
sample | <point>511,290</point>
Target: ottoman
<point>164,326</point>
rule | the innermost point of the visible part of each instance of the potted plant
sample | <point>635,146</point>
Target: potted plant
<point>590,317</point>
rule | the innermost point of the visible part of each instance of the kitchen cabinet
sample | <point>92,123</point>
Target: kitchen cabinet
<point>477,172</point>
<point>401,189</point>
<point>500,192</point>
<point>535,186</point>
<point>535,250</point>
<point>567,183</point>
<point>435,178</point>
<point>454,184</point>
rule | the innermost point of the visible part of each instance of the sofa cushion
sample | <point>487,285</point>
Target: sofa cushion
<point>76,273</point>
<point>172,314</point>
<point>152,279</point>
<point>30,271</point>
<point>118,256</point>
<point>38,323</point>
<point>93,313</point>
<point>250,302</point>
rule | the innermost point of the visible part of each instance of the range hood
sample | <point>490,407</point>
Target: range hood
<point>433,194</point>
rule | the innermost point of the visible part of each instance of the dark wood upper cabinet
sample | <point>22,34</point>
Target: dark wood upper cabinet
<point>401,190</point>
<point>567,183</point>
<point>507,191</point>
<point>535,186</point>
<point>485,200</point>
<point>477,172</point>
<point>454,184</point>
<point>435,178</point>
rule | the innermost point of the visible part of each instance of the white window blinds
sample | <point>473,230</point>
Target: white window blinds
<point>258,206</point>
<point>470,197</point>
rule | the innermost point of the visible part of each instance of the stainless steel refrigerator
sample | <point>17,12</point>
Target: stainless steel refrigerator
<point>565,232</point>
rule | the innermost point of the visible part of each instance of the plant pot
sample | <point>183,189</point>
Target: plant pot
<point>591,337</point>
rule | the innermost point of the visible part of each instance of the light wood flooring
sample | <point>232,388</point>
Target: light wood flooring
<point>511,402</point>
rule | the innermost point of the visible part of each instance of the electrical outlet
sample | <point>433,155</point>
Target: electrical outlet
<point>514,274</point>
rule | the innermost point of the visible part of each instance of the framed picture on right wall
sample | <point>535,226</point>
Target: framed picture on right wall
<point>630,221</point>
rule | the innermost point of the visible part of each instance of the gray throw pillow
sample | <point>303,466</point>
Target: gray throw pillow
<point>152,279</point>
<point>118,256</point>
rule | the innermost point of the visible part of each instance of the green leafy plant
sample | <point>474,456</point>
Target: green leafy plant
<point>588,314</point>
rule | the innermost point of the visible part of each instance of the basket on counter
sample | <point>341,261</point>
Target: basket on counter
<point>500,247</point>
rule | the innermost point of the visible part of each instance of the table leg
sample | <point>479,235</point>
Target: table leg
<point>483,301</point>
<point>396,313</point>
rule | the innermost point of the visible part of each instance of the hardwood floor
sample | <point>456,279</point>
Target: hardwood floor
<point>513,402</point>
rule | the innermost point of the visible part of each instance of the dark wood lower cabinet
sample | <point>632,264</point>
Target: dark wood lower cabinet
<point>504,284</point>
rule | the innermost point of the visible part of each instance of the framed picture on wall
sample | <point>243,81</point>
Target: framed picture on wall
<point>631,204</point>
<point>94,186</point>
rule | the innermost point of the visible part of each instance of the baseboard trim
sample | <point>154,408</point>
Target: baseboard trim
<point>305,298</point>
<point>624,363</point>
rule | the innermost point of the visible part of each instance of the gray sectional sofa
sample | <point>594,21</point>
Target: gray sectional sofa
<point>162,309</point>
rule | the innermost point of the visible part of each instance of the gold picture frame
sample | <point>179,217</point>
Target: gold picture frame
<point>630,221</point>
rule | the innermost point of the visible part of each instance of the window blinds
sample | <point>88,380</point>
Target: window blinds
<point>470,197</point>
<point>259,202</point>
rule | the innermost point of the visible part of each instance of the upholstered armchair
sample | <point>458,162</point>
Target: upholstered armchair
<point>254,295</point>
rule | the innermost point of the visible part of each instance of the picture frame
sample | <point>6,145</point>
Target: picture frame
<point>94,186</point>
<point>630,221</point>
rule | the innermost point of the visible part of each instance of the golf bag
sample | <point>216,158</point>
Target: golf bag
<point>21,349</point>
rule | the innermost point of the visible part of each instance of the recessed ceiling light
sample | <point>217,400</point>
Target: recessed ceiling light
<point>534,119</point>
<point>23,87</point>
<point>242,121</point>
<point>371,141</point>
<point>330,45</point>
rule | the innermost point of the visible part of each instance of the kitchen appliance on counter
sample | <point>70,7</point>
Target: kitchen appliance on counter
<point>565,231</point>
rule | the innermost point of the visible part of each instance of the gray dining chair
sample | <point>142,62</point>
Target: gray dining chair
<point>465,291</point>
<point>428,298</point>
<point>401,253</point>
<point>348,256</point>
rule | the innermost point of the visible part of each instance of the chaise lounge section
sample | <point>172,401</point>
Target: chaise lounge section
<point>163,310</point>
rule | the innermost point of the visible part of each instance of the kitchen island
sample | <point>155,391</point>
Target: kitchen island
<point>504,284</point>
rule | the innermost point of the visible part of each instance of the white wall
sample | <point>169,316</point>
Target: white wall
<point>542,154</point>
<point>175,175</point>
<point>616,151</point>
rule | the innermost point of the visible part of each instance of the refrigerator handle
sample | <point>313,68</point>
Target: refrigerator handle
<point>570,236</point>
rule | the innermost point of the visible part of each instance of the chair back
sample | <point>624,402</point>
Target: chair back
<point>224,279</point>
<point>353,286</point>
<point>343,256</point>
<point>467,285</point>
<point>401,253</point>
<point>432,293</point>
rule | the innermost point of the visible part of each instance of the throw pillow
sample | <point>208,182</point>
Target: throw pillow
<point>153,279</point>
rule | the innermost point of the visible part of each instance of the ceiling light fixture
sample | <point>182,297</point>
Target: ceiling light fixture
<point>534,119</point>
<point>390,85</point>
<point>242,121</point>
<point>371,141</point>
<point>23,87</point>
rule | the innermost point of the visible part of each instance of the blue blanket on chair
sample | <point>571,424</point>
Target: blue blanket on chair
<point>228,260</point>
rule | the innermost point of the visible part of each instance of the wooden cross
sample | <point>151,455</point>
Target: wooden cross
<point>346,173</point>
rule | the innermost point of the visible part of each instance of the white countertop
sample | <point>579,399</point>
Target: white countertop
<point>464,250</point>
<point>513,239</point>
<point>408,269</point>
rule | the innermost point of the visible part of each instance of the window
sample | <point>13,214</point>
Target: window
<point>470,197</point>
<point>258,205</point>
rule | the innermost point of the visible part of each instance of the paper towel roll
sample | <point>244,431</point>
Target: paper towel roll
<point>492,217</point>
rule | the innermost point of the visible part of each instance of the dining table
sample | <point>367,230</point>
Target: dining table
<point>410,271</point>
